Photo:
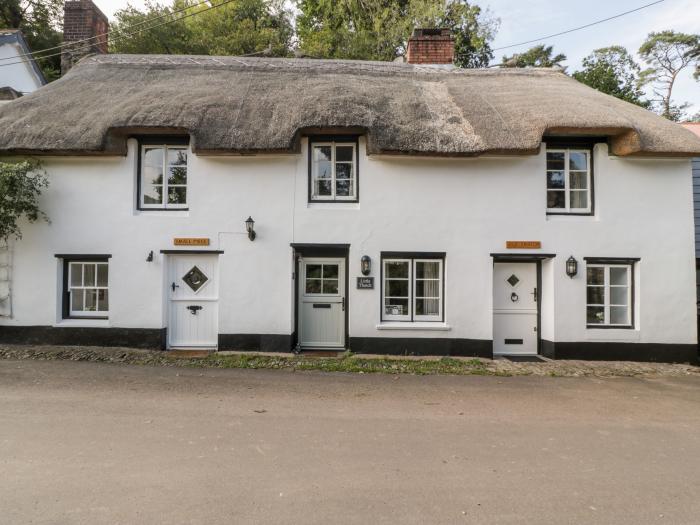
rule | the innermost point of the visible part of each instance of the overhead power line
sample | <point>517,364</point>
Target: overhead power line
<point>121,36</point>
<point>580,27</point>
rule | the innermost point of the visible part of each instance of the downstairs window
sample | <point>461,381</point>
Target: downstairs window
<point>412,287</point>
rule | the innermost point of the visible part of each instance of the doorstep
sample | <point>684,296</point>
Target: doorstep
<point>188,354</point>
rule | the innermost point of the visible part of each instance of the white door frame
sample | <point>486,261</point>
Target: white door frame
<point>207,297</point>
<point>339,300</point>
<point>538,300</point>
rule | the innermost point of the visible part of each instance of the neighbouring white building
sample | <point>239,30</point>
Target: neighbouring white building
<point>395,208</point>
<point>20,74</point>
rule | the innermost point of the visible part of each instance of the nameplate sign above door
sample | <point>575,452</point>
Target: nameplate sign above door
<point>365,283</point>
<point>523,245</point>
<point>191,241</point>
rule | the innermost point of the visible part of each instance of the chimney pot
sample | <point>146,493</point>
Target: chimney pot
<point>431,46</point>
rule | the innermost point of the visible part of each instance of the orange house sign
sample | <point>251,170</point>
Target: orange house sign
<point>523,245</point>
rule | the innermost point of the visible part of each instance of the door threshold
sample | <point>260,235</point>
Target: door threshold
<point>522,358</point>
<point>322,352</point>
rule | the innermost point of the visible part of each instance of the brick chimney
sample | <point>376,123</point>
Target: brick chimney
<point>82,19</point>
<point>431,46</point>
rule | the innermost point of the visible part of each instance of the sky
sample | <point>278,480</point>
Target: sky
<point>522,20</point>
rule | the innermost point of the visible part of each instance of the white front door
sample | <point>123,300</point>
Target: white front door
<point>322,303</point>
<point>193,296</point>
<point>515,308</point>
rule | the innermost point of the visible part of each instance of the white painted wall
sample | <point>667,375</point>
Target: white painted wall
<point>17,74</point>
<point>465,207</point>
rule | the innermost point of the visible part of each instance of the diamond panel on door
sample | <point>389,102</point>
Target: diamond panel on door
<point>195,278</point>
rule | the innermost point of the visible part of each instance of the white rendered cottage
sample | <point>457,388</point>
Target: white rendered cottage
<point>398,208</point>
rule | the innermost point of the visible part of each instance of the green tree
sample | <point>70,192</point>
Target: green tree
<point>612,70</point>
<point>41,23</point>
<point>379,30</point>
<point>238,28</point>
<point>20,186</point>
<point>668,53</point>
<point>537,56</point>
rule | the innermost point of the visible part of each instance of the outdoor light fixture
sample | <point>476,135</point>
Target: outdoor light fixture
<point>571,267</point>
<point>365,265</point>
<point>249,225</point>
<point>150,256</point>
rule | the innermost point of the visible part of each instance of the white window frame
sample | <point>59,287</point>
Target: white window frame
<point>606,296</point>
<point>322,264</point>
<point>567,182</point>
<point>313,197</point>
<point>410,316</point>
<point>142,184</point>
<point>70,289</point>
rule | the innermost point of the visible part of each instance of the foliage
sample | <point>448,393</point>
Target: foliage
<point>668,53</point>
<point>20,186</point>
<point>537,56</point>
<point>379,30</point>
<point>614,71</point>
<point>241,27</point>
<point>41,23</point>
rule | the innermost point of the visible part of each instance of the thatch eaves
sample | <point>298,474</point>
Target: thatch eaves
<point>233,105</point>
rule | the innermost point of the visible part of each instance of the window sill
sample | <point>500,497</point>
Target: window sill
<point>334,205</point>
<point>175,212</point>
<point>407,325</point>
<point>82,323</point>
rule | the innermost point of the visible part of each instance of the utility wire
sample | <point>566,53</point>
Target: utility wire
<point>579,28</point>
<point>121,36</point>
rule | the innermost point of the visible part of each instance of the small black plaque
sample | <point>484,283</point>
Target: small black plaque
<point>365,283</point>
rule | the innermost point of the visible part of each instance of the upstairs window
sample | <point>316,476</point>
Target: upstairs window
<point>412,287</point>
<point>163,176</point>
<point>569,181</point>
<point>333,171</point>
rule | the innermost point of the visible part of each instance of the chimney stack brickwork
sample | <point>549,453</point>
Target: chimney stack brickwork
<point>82,19</point>
<point>431,46</point>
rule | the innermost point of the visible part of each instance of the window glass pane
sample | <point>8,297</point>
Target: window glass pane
<point>427,306</point>
<point>153,157</point>
<point>428,288</point>
<point>102,275</point>
<point>177,195</point>
<point>313,286</point>
<point>595,315</point>
<point>595,295</point>
<point>555,180</point>
<point>330,286</point>
<point>76,297</point>
<point>177,175</point>
<point>323,170</point>
<point>595,275</point>
<point>324,188</point>
<point>153,175</point>
<point>578,180</point>
<point>578,160</point>
<point>90,300</point>
<point>76,274</point>
<point>343,188</point>
<point>397,288</point>
<point>89,275</point>
<point>618,315</point>
<point>579,199</point>
<point>395,306</point>
<point>427,270</point>
<point>152,194</point>
<point>330,271</point>
<point>343,171</point>
<point>555,160</point>
<point>322,153</point>
<point>103,300</point>
<point>344,153</point>
<point>314,271</point>
<point>556,199</point>
<point>177,157</point>
<point>397,269</point>
<point>618,276</point>
<point>618,295</point>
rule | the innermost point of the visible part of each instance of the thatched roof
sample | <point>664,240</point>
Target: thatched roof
<point>248,105</point>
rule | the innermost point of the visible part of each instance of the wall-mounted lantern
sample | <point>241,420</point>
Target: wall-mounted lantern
<point>571,267</point>
<point>365,265</point>
<point>149,258</point>
<point>249,227</point>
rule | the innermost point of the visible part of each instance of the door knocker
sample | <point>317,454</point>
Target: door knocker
<point>514,297</point>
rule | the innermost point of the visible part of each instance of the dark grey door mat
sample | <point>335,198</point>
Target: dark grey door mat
<point>524,358</point>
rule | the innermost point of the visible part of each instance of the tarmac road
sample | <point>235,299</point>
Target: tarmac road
<point>96,443</point>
